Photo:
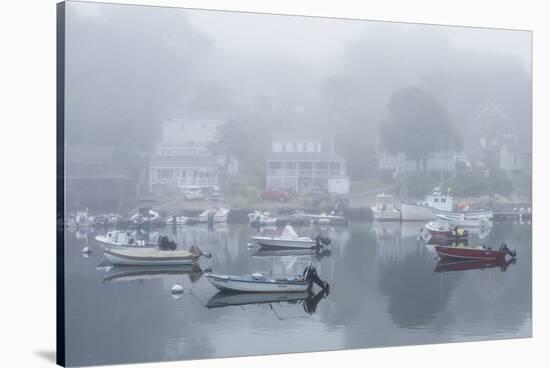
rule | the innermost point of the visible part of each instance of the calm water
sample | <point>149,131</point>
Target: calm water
<point>384,292</point>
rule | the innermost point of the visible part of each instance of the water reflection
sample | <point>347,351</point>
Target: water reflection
<point>384,292</point>
<point>307,300</point>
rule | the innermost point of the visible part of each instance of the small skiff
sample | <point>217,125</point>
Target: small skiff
<point>264,283</point>
<point>478,253</point>
<point>290,240</point>
<point>438,229</point>
<point>151,256</point>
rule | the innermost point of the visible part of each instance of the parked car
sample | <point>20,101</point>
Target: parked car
<point>276,195</point>
<point>193,192</point>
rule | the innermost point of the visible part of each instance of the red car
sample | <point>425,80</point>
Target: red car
<point>276,195</point>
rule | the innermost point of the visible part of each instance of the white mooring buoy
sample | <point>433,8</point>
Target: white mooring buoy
<point>177,291</point>
<point>86,250</point>
<point>250,245</point>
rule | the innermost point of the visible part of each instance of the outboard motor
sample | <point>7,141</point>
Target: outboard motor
<point>311,276</point>
<point>310,303</point>
<point>166,244</point>
<point>322,240</point>
<point>504,247</point>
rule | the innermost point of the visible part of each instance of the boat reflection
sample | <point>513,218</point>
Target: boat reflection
<point>464,265</point>
<point>317,253</point>
<point>144,273</point>
<point>307,299</point>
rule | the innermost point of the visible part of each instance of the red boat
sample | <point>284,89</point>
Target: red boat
<point>439,229</point>
<point>479,253</point>
<point>471,264</point>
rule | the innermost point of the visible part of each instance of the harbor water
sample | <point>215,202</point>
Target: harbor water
<point>386,289</point>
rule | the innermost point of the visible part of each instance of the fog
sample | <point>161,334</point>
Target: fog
<point>130,67</point>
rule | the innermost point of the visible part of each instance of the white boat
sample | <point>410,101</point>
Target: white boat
<point>106,219</point>
<point>144,217</point>
<point>465,221</point>
<point>323,218</point>
<point>258,218</point>
<point>180,220</point>
<point>487,215</point>
<point>219,215</point>
<point>120,238</point>
<point>425,210</point>
<point>266,283</point>
<point>151,256</point>
<point>289,239</point>
<point>82,219</point>
<point>384,209</point>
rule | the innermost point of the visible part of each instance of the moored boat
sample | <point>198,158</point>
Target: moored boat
<point>289,239</point>
<point>424,210</point>
<point>438,229</point>
<point>322,218</point>
<point>464,220</point>
<point>121,238</point>
<point>264,283</point>
<point>384,209</point>
<point>144,217</point>
<point>258,218</point>
<point>469,252</point>
<point>151,256</point>
<point>217,215</point>
<point>177,220</point>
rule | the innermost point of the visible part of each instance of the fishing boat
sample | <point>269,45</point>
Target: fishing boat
<point>265,283</point>
<point>121,238</point>
<point>478,253</point>
<point>438,229</point>
<point>384,209</point>
<point>151,256</point>
<point>425,210</point>
<point>218,215</point>
<point>177,221</point>
<point>289,239</point>
<point>465,220</point>
<point>258,218</point>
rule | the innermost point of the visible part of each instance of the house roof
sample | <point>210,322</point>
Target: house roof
<point>303,156</point>
<point>182,161</point>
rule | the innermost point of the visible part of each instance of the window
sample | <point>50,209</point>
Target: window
<point>291,165</point>
<point>316,147</point>
<point>436,200</point>
<point>310,146</point>
<point>275,165</point>
<point>443,200</point>
<point>305,165</point>
<point>335,166</point>
<point>321,165</point>
<point>165,174</point>
<point>295,146</point>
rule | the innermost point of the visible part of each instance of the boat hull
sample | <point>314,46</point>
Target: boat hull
<point>414,212</point>
<point>227,283</point>
<point>274,243</point>
<point>379,215</point>
<point>447,252</point>
<point>117,258</point>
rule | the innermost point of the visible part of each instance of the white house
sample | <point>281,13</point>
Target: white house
<point>300,165</point>
<point>182,157</point>
<point>399,163</point>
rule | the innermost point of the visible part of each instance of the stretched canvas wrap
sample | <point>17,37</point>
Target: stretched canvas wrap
<point>234,184</point>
